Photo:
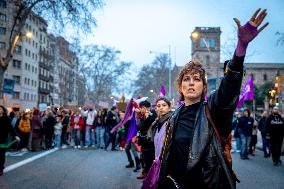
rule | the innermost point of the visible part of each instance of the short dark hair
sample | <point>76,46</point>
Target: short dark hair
<point>113,108</point>
<point>145,103</point>
<point>163,99</point>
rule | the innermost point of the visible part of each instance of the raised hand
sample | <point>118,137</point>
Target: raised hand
<point>249,31</point>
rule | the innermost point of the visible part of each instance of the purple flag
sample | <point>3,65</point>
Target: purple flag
<point>132,131</point>
<point>127,117</point>
<point>162,91</point>
<point>247,92</point>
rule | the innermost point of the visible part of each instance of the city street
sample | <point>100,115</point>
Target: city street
<point>91,168</point>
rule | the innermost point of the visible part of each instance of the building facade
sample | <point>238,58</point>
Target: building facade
<point>43,67</point>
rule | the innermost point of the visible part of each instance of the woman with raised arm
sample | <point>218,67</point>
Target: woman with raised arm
<point>194,150</point>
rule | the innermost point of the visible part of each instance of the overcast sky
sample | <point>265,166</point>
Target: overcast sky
<point>138,26</point>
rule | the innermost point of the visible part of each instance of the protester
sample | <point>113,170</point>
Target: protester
<point>65,123</point>
<point>191,155</point>
<point>37,131</point>
<point>48,126</point>
<point>262,127</point>
<point>77,123</point>
<point>245,127</point>
<point>275,128</point>
<point>58,131</point>
<point>111,121</point>
<point>148,116</point>
<point>6,128</point>
<point>89,133</point>
<point>24,131</point>
<point>100,130</point>
<point>156,133</point>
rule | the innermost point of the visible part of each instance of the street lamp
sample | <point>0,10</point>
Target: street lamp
<point>28,35</point>
<point>170,67</point>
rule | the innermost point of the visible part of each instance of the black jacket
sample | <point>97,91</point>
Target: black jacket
<point>205,151</point>
<point>262,125</point>
<point>5,129</point>
<point>275,126</point>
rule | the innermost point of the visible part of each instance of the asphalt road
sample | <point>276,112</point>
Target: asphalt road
<point>93,169</point>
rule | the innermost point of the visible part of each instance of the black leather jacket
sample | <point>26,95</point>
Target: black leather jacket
<point>202,151</point>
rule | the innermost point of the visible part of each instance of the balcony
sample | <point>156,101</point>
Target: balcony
<point>44,65</point>
<point>43,90</point>
<point>44,78</point>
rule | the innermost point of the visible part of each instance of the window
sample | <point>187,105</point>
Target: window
<point>17,64</point>
<point>29,67</point>
<point>32,68</point>
<point>2,31</point>
<point>26,51</point>
<point>26,66</point>
<point>18,49</point>
<point>16,95</point>
<point>28,96</point>
<point>25,80</point>
<point>17,79</point>
<point>35,84</point>
<point>2,45</point>
<point>264,77</point>
<point>207,59</point>
<point>3,17</point>
<point>3,4</point>
<point>207,43</point>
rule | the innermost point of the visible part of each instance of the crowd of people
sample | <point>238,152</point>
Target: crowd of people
<point>271,127</point>
<point>60,128</point>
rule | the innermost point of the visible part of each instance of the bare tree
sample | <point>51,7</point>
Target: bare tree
<point>152,77</point>
<point>280,40</point>
<point>102,69</point>
<point>61,13</point>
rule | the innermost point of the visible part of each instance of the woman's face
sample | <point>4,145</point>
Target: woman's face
<point>162,108</point>
<point>192,87</point>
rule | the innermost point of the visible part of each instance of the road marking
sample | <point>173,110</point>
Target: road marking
<point>15,153</point>
<point>26,161</point>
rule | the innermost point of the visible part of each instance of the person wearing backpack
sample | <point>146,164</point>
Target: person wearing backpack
<point>195,149</point>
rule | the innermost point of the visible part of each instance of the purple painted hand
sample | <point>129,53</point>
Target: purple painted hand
<point>249,31</point>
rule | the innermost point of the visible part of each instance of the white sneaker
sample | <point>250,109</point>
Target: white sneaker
<point>86,146</point>
<point>238,151</point>
<point>79,146</point>
<point>64,146</point>
<point>24,150</point>
<point>56,148</point>
<point>75,147</point>
<point>93,146</point>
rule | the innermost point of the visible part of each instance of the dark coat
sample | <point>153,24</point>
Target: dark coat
<point>205,151</point>
<point>5,129</point>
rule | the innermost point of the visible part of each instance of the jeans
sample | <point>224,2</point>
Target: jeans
<point>76,136</point>
<point>130,146</point>
<point>110,138</point>
<point>238,143</point>
<point>100,132</point>
<point>88,136</point>
<point>57,140</point>
<point>245,141</point>
<point>266,147</point>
